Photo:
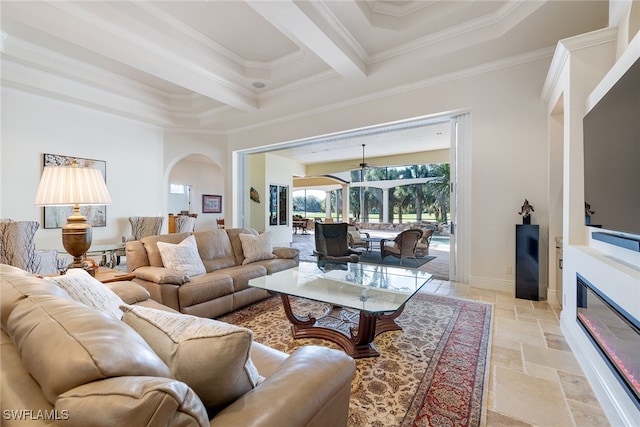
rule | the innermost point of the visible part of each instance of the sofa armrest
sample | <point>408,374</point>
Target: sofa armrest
<point>311,387</point>
<point>129,401</point>
<point>285,252</point>
<point>161,275</point>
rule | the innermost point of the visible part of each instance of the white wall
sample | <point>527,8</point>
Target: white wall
<point>509,152</point>
<point>32,126</point>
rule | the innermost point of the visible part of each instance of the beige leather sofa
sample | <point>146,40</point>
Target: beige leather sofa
<point>222,289</point>
<point>64,363</point>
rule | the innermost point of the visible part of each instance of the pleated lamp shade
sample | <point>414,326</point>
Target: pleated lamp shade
<point>73,186</point>
<point>69,186</point>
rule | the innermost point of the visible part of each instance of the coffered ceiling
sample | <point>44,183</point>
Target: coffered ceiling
<point>225,66</point>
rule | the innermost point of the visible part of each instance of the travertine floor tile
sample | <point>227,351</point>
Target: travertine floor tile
<point>556,342</point>
<point>525,313</point>
<point>588,415</point>
<point>555,359</point>
<point>507,358</point>
<point>535,400</point>
<point>576,387</point>
<point>518,332</point>
<point>540,371</point>
<point>495,419</point>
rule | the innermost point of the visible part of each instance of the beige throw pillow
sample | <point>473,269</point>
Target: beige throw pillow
<point>84,288</point>
<point>212,357</point>
<point>256,248</point>
<point>183,257</point>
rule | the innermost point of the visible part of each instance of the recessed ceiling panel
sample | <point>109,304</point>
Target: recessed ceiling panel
<point>235,26</point>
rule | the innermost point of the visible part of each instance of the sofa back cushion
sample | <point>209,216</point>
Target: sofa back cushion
<point>151,246</point>
<point>183,257</point>
<point>215,249</point>
<point>210,356</point>
<point>16,285</point>
<point>236,243</point>
<point>64,344</point>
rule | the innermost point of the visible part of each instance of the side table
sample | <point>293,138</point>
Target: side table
<point>108,275</point>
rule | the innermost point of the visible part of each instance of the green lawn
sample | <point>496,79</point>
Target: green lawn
<point>372,217</point>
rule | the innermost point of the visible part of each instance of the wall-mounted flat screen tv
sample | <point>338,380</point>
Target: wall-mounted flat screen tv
<point>612,156</point>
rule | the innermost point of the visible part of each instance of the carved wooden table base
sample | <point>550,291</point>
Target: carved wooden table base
<point>359,343</point>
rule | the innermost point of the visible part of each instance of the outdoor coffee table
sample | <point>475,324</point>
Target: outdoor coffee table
<point>369,296</point>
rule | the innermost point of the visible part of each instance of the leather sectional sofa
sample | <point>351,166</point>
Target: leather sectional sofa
<point>224,286</point>
<point>69,363</point>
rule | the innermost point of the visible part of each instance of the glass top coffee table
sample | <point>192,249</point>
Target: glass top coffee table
<point>376,294</point>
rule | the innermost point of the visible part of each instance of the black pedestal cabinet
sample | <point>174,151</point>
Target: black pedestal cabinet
<point>528,262</point>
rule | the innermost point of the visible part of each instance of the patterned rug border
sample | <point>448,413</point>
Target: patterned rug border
<point>432,405</point>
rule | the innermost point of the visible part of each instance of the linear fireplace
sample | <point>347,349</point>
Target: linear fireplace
<point>614,332</point>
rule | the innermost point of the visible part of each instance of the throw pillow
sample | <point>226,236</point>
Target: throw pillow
<point>183,257</point>
<point>84,288</point>
<point>212,357</point>
<point>256,248</point>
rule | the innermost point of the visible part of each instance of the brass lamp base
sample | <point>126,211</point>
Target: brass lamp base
<point>76,239</point>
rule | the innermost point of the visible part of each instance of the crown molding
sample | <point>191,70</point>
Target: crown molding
<point>563,51</point>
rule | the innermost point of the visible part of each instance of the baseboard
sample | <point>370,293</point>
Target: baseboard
<point>499,285</point>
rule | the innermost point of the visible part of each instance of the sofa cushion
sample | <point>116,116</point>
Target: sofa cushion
<point>212,357</point>
<point>17,285</point>
<point>236,244</point>
<point>256,248</point>
<point>84,288</point>
<point>150,244</point>
<point>132,401</point>
<point>182,257</point>
<point>215,249</point>
<point>64,344</point>
<point>129,292</point>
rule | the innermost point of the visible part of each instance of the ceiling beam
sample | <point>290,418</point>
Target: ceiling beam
<point>311,24</point>
<point>106,31</point>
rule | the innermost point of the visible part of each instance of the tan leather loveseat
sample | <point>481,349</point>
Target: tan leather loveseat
<point>66,363</point>
<point>222,289</point>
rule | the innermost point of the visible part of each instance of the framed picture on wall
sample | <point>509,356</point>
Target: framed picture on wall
<point>211,204</point>
<point>278,204</point>
<point>56,216</point>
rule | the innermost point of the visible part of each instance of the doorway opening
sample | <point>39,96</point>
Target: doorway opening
<point>329,155</point>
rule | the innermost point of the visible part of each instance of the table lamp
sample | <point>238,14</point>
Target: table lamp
<point>73,186</point>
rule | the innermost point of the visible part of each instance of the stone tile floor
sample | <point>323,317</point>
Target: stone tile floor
<point>534,380</point>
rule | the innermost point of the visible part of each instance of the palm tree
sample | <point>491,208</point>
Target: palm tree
<point>440,190</point>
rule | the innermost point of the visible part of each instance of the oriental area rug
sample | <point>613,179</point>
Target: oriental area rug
<point>432,373</point>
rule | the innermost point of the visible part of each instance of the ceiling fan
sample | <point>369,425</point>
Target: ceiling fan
<point>364,164</point>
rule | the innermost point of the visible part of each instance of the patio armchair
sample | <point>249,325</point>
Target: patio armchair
<point>402,246</point>
<point>356,238</point>
<point>332,244</point>
<point>422,247</point>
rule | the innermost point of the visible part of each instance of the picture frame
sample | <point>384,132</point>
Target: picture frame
<point>278,204</point>
<point>56,216</point>
<point>211,203</point>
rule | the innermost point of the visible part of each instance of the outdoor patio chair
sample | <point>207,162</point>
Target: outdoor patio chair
<point>422,247</point>
<point>356,238</point>
<point>332,244</point>
<point>402,246</point>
